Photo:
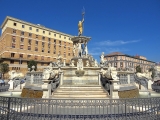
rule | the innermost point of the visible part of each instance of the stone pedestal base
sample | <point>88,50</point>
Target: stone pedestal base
<point>129,93</point>
<point>29,93</point>
<point>46,89</point>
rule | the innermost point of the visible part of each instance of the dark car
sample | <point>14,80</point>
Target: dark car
<point>2,82</point>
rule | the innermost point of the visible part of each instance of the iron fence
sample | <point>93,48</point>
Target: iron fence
<point>79,109</point>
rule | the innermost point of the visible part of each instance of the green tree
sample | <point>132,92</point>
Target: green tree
<point>138,69</point>
<point>4,68</point>
<point>153,72</point>
<point>32,63</point>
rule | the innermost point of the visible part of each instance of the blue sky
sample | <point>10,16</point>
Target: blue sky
<point>128,26</point>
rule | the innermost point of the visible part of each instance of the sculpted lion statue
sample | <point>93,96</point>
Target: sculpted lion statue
<point>13,74</point>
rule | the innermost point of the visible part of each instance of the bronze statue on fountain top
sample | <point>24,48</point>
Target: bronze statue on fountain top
<point>80,25</point>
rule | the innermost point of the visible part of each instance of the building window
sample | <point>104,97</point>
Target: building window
<point>43,38</point>
<point>28,56</point>
<point>12,54</point>
<point>22,33</point>
<point>69,38</point>
<point>59,36</point>
<point>15,24</point>
<point>54,46</point>
<point>115,58</point>
<point>64,37</point>
<point>36,36</point>
<point>30,28</point>
<point>54,35</point>
<point>22,40</point>
<point>60,42</point>
<point>115,64</point>
<point>48,51</point>
<point>42,44</point>
<point>21,46</point>
<point>36,49</point>
<point>30,34</point>
<point>36,57</point>
<point>49,39</point>
<point>36,42</point>
<point>42,58</point>
<point>42,50</point>
<point>54,41</point>
<point>54,52</point>
<point>29,41</point>
<point>13,39</point>
<point>37,30</point>
<point>29,47</point>
<point>20,55</point>
<point>121,64</point>
<point>13,45</point>
<point>11,61</point>
<point>14,31</point>
<point>22,26</point>
<point>42,64</point>
<point>68,54</point>
<point>49,33</point>
<point>43,32</point>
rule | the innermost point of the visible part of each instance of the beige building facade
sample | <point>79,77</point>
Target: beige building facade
<point>123,61</point>
<point>22,41</point>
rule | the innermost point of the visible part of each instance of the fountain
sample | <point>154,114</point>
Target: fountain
<point>84,77</point>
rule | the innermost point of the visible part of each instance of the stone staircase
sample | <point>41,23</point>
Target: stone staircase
<point>80,91</point>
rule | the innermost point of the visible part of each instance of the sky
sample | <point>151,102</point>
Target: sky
<point>128,26</point>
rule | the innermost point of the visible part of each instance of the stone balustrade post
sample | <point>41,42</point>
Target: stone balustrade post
<point>46,89</point>
<point>61,78</point>
<point>114,89</point>
<point>129,78</point>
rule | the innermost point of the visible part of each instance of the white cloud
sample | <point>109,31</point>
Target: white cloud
<point>115,43</point>
<point>98,50</point>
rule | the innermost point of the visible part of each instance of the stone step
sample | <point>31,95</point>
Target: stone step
<point>79,90</point>
<point>82,87</point>
<point>79,93</point>
<point>79,96</point>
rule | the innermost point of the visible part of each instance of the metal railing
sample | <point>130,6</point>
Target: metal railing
<point>79,109</point>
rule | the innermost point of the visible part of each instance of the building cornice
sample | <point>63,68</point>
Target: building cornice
<point>31,24</point>
<point>128,56</point>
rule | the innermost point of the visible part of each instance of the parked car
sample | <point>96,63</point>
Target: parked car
<point>2,82</point>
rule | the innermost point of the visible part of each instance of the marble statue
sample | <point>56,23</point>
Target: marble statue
<point>145,74</point>
<point>95,63</point>
<point>59,59</point>
<point>85,49</point>
<point>74,50</point>
<point>49,73</point>
<point>79,47</point>
<point>13,74</point>
<point>102,58</point>
<point>72,63</point>
<point>80,25</point>
<point>80,64</point>
<point>87,63</point>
